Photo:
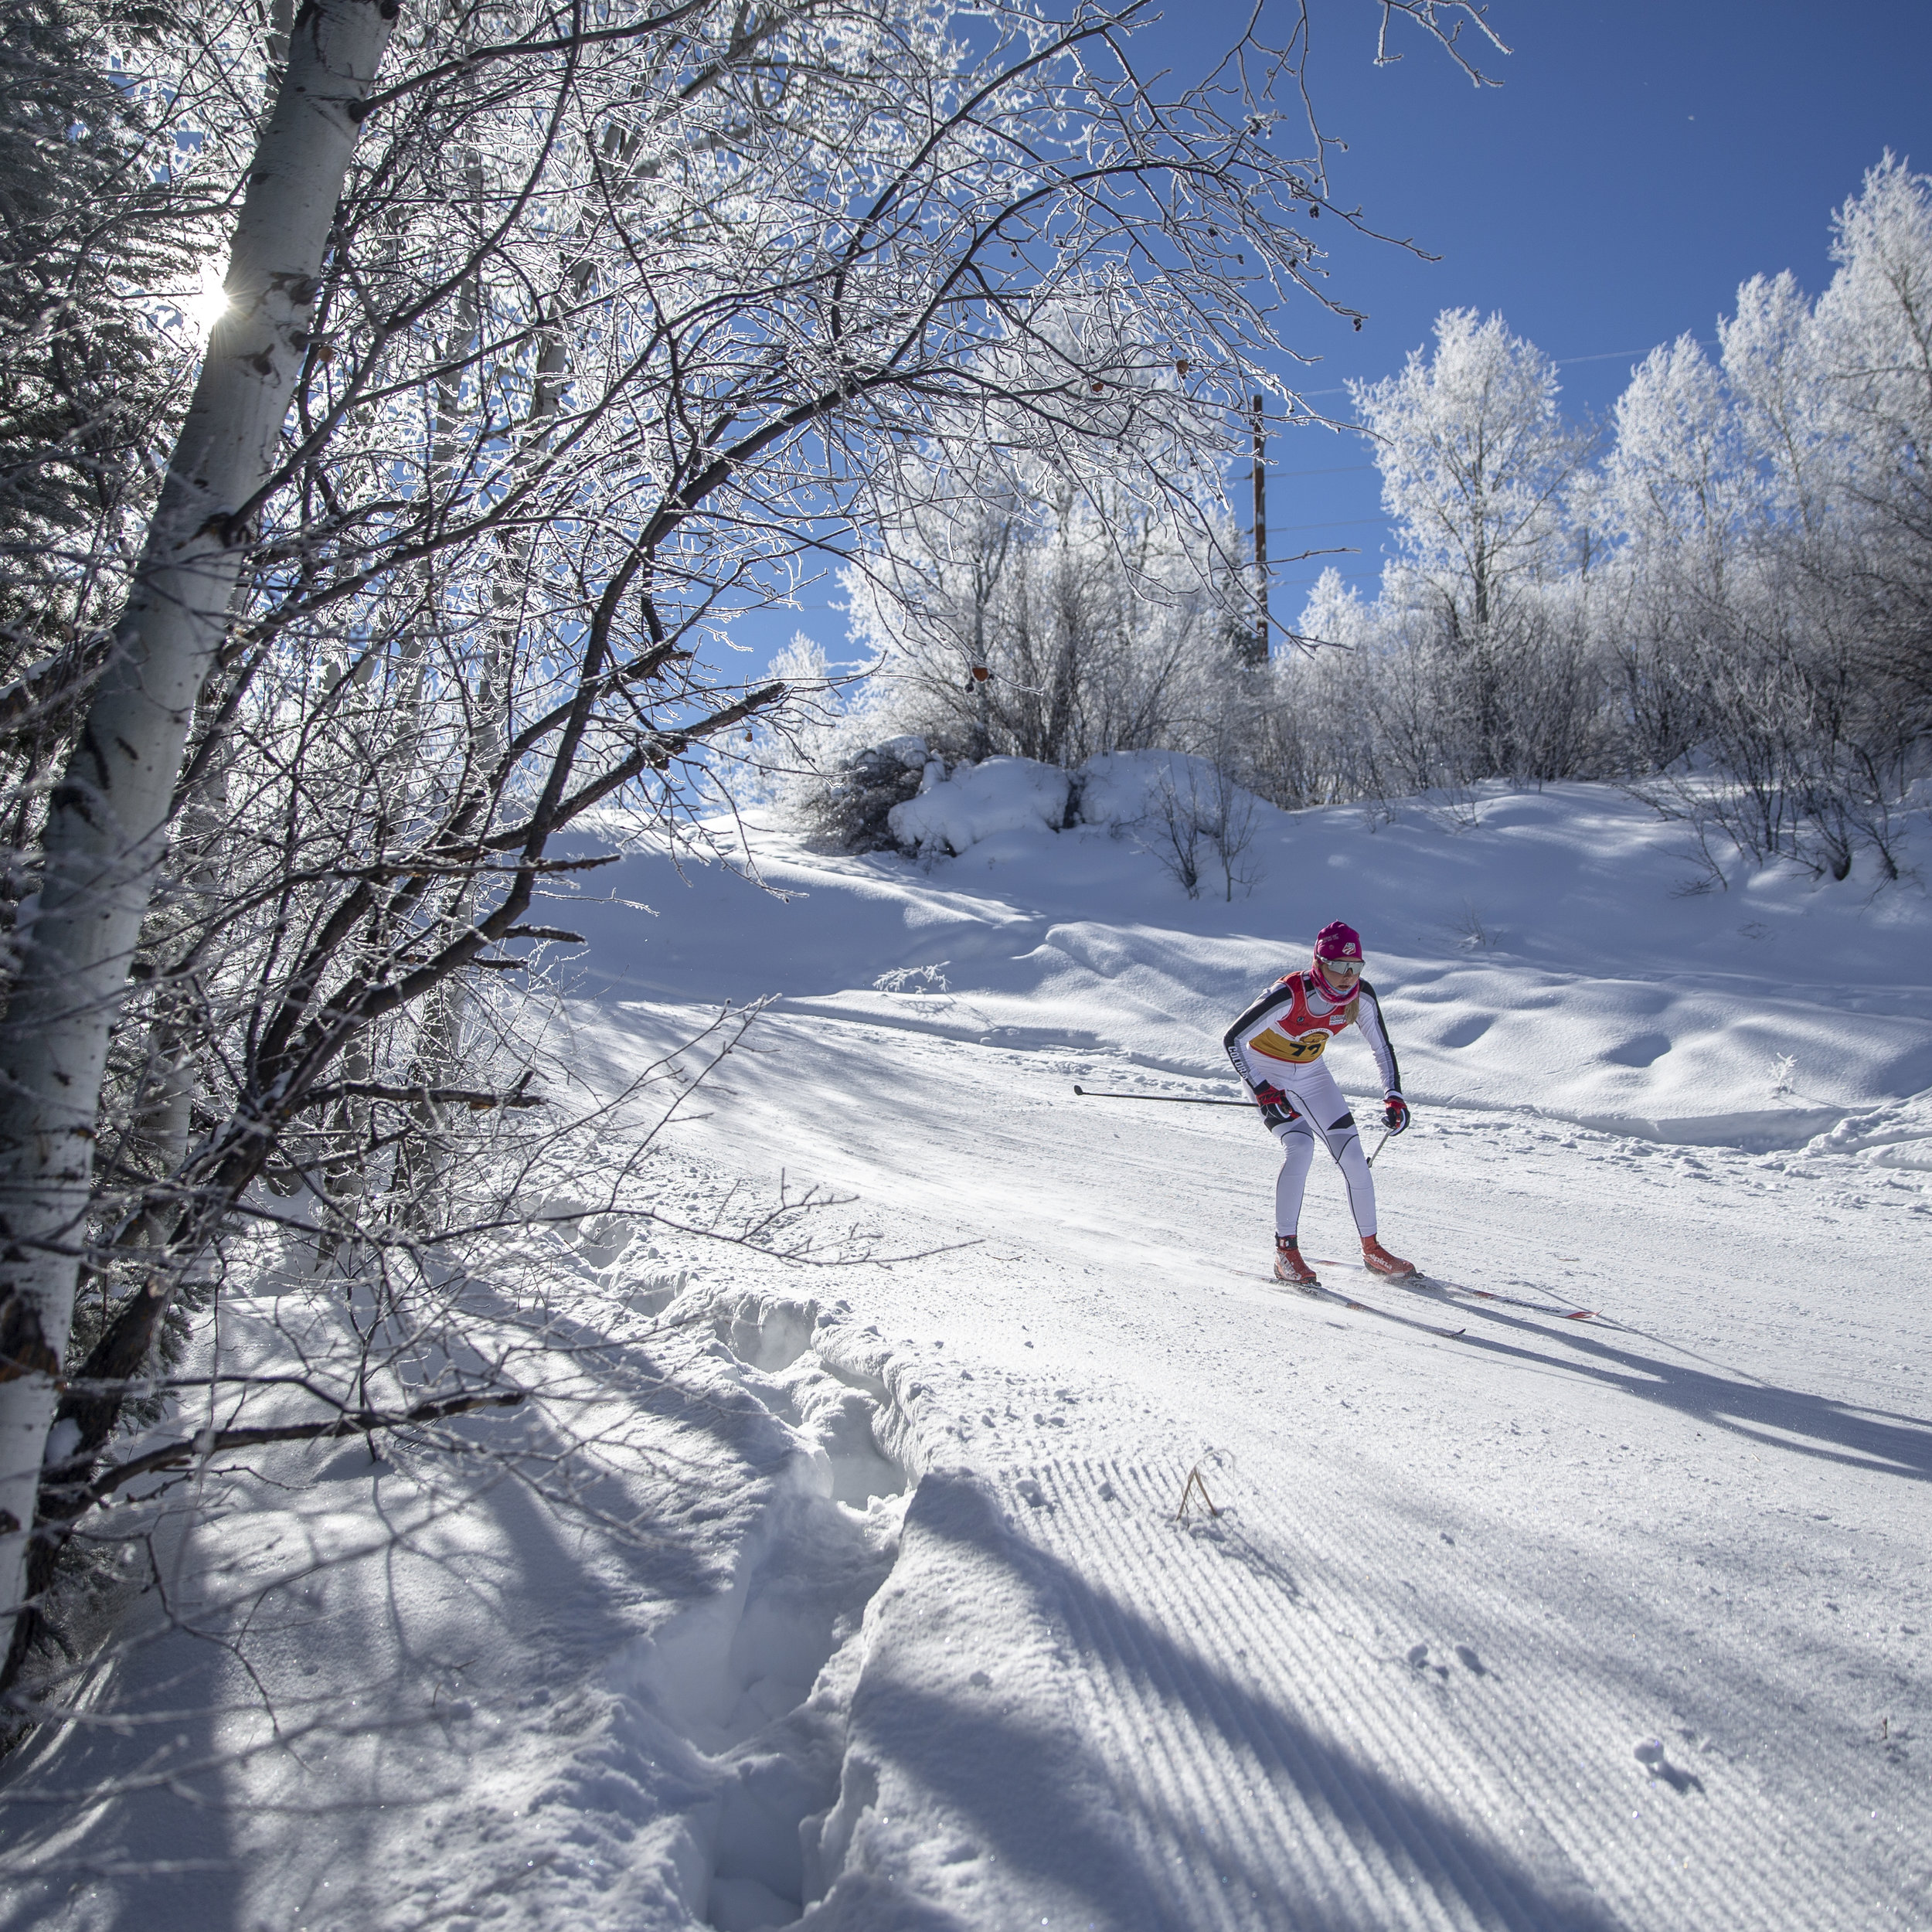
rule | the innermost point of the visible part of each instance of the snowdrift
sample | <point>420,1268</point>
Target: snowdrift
<point>1556,949</point>
<point>1002,794</point>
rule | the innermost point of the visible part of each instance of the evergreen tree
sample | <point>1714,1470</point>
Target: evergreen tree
<point>91,227</point>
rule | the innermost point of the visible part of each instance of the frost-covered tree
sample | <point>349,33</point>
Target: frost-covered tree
<point>553,340</point>
<point>1680,499</point>
<point>1476,461</point>
<point>1874,329</point>
<point>1472,663</point>
<point>1053,624</point>
<point>101,847</point>
<point>1675,479</point>
<point>1778,546</point>
<point>1771,370</point>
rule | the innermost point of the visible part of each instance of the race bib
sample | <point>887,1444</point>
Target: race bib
<point>1278,1046</point>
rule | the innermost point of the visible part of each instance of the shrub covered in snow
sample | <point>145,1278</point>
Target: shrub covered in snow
<point>853,808</point>
<point>1187,812</point>
<point>1121,788</point>
<point>1003,794</point>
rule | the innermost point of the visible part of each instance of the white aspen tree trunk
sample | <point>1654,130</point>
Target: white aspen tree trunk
<point>106,821</point>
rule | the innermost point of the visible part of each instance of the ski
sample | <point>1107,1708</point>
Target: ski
<point>1433,1282</point>
<point>1315,1292</point>
<point>1421,1283</point>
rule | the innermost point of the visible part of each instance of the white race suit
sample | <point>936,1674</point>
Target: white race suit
<point>1279,1042</point>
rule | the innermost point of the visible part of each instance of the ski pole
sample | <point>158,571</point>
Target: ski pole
<point>1173,1100</point>
<point>1380,1144</point>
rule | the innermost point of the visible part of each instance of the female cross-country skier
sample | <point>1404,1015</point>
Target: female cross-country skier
<point>1276,1047</point>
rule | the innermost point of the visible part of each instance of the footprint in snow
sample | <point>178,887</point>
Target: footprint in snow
<point>1469,1660</point>
<point>1650,1753</point>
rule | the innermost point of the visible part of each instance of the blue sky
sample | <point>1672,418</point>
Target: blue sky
<point>1639,160</point>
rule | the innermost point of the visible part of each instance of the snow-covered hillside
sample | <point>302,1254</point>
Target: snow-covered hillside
<point>1547,949</point>
<point>884,1612</point>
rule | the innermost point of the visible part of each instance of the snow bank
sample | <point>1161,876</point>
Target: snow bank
<point>1124,787</point>
<point>1002,794</point>
<point>1542,949</point>
<point>607,1696</point>
<point>1897,1136</point>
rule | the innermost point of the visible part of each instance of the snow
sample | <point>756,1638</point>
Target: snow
<point>1121,787</point>
<point>1000,795</point>
<point>869,1599</point>
<point>1537,947</point>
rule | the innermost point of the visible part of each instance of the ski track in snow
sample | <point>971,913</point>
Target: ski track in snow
<point>1656,1530</point>
<point>541,1727</point>
<point>919,1641</point>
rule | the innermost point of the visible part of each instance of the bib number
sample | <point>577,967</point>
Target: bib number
<point>1278,1046</point>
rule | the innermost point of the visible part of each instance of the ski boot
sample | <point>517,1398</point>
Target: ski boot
<point>1289,1266</point>
<point>1378,1260</point>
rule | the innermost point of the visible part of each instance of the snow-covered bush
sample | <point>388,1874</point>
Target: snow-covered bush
<point>853,808</point>
<point>1001,794</point>
<point>1117,789</point>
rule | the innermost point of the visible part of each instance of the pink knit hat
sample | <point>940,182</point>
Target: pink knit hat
<point>1337,941</point>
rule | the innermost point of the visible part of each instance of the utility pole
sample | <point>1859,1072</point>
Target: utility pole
<point>1257,652</point>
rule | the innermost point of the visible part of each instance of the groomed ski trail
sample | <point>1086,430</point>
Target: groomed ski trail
<point>1299,1733</point>
<point>1419,1283</point>
<point>1340,1298</point>
<point>1401,1681</point>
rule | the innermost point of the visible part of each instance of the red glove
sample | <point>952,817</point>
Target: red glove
<point>1395,1114</point>
<point>1267,1094</point>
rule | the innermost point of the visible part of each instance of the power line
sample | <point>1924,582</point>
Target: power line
<point>1611,355</point>
<point>1346,523</point>
<point>1561,361</point>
